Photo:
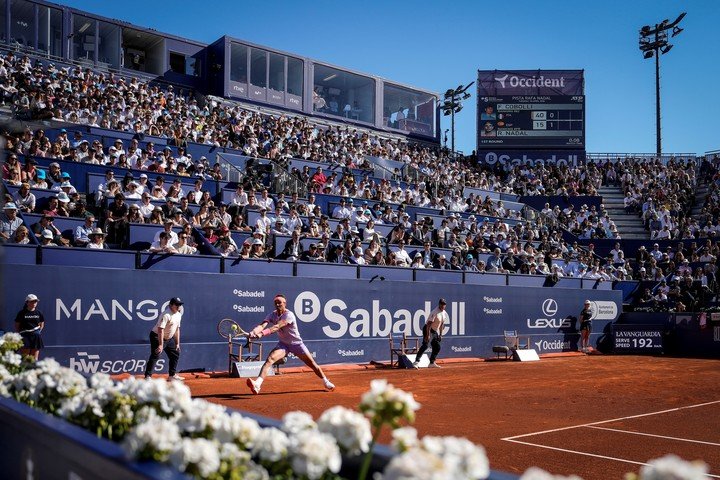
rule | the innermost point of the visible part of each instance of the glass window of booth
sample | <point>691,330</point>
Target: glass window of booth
<point>343,94</point>
<point>409,110</point>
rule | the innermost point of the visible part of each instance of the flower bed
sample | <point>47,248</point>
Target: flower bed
<point>159,421</point>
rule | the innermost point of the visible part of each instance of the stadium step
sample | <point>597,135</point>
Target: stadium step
<point>628,225</point>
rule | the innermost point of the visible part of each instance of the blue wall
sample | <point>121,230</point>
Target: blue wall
<point>100,318</point>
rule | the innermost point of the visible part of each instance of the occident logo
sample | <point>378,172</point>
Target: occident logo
<point>552,345</point>
<point>532,82</point>
<point>549,308</point>
<point>90,363</point>
<point>375,321</point>
<point>491,158</point>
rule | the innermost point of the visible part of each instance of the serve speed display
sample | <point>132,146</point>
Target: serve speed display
<point>531,121</point>
<point>638,339</point>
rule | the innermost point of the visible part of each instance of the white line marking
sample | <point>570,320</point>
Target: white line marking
<point>611,420</point>
<point>657,436</point>
<point>587,454</point>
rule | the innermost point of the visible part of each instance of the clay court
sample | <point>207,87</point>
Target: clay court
<point>595,416</point>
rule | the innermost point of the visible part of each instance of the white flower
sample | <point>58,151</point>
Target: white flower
<point>168,397</point>
<point>5,380</point>
<point>350,428</point>
<point>47,384</point>
<point>404,438</point>
<point>417,464</point>
<point>671,467</point>
<point>196,455</point>
<point>295,422</point>
<point>11,358</point>
<point>199,417</point>
<point>271,445</point>
<point>153,439</point>
<point>10,341</point>
<point>385,403</point>
<point>535,473</point>
<point>464,457</point>
<point>313,453</point>
<point>238,429</point>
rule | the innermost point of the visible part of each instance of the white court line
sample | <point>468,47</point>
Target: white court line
<point>605,457</point>
<point>611,420</point>
<point>657,436</point>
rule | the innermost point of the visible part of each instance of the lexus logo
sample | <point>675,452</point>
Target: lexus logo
<point>549,307</point>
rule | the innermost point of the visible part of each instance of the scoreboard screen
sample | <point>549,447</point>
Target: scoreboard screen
<point>531,121</point>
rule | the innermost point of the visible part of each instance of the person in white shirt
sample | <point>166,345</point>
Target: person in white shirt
<point>432,334</point>
<point>165,336</point>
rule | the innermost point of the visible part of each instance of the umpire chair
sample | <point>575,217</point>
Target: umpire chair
<point>400,346</point>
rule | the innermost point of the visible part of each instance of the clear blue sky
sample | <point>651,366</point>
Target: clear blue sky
<point>437,45</point>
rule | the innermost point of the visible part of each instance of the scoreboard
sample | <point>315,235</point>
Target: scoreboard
<point>531,121</point>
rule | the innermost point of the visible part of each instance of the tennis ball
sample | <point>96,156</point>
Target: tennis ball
<point>234,328</point>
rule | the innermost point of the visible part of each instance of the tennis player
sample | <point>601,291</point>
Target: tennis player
<point>29,322</point>
<point>283,322</point>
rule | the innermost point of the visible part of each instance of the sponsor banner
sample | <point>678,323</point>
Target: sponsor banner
<point>638,339</point>
<point>530,82</point>
<point>109,313</point>
<point>530,157</point>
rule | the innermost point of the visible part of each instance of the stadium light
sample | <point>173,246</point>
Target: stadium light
<point>453,105</point>
<point>653,42</point>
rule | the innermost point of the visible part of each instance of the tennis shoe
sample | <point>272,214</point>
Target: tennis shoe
<point>416,365</point>
<point>254,388</point>
<point>176,377</point>
<point>329,385</point>
<point>433,365</point>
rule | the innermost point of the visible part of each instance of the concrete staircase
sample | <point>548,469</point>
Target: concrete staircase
<point>629,225</point>
<point>700,192</point>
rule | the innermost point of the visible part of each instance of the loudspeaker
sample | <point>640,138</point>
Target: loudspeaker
<point>529,355</point>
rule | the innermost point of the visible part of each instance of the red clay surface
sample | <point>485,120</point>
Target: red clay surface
<point>489,401</point>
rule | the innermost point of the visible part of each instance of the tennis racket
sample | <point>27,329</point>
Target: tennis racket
<point>30,330</point>
<point>230,329</point>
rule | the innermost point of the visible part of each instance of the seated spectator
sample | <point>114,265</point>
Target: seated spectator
<point>156,216</point>
<point>134,215</point>
<point>257,250</point>
<point>24,199</point>
<point>116,222</point>
<point>81,236</point>
<point>46,239</point>
<point>225,248</point>
<point>9,222</point>
<point>97,239</point>
<point>162,245</point>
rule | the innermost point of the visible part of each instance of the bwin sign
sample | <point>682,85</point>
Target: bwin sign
<point>375,321</point>
<point>90,363</point>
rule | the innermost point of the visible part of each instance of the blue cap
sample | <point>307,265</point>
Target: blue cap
<point>62,130</point>
<point>41,174</point>
<point>65,175</point>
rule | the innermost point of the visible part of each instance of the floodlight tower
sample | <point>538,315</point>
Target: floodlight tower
<point>653,42</point>
<point>452,105</point>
